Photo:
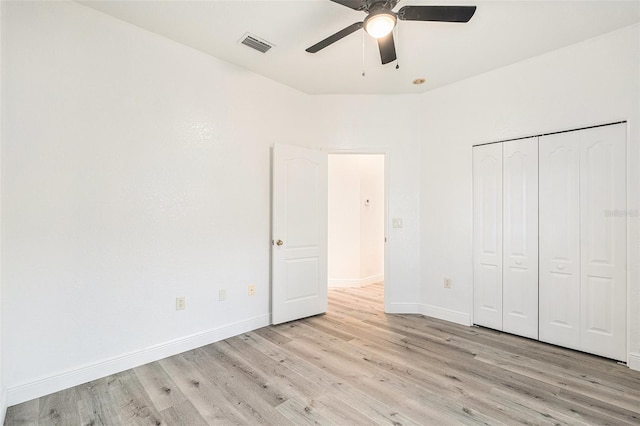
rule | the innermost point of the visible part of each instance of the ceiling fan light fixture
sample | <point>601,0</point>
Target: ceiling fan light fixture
<point>380,24</point>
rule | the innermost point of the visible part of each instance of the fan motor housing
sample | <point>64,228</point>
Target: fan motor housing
<point>374,6</point>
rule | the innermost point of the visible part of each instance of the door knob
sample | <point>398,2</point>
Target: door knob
<point>279,242</point>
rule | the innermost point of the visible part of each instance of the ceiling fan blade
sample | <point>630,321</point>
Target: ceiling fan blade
<point>437,13</point>
<point>387,48</point>
<point>352,4</point>
<point>337,36</point>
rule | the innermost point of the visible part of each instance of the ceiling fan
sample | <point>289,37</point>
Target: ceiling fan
<point>381,20</point>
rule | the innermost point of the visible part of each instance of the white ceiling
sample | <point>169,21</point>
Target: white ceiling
<point>500,33</point>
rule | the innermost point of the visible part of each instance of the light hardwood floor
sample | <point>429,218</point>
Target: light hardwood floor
<point>355,365</point>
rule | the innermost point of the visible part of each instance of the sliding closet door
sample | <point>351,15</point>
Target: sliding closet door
<point>559,169</point>
<point>603,241</point>
<point>487,235</point>
<point>520,238</point>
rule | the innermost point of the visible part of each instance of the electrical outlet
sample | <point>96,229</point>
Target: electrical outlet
<point>447,283</point>
<point>222,295</point>
<point>180,303</point>
<point>252,290</point>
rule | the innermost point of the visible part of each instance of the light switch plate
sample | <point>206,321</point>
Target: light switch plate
<point>396,222</point>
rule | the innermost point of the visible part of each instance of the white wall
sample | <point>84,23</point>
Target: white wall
<point>596,81</point>
<point>135,170</point>
<point>356,230</point>
<point>371,218</point>
<point>344,221</point>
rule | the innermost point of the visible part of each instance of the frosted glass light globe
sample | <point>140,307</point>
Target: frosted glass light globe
<point>380,25</point>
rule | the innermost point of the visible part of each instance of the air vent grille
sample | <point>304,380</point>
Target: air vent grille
<point>256,43</point>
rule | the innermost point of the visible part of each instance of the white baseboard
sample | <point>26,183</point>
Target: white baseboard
<point>634,361</point>
<point>402,308</point>
<point>430,311</point>
<point>355,282</point>
<point>371,279</point>
<point>446,314</point>
<point>343,283</point>
<point>75,377</point>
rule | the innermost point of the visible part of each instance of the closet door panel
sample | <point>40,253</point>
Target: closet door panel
<point>559,230</point>
<point>603,241</point>
<point>520,238</point>
<point>487,235</point>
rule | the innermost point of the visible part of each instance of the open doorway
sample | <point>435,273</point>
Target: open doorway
<point>356,231</point>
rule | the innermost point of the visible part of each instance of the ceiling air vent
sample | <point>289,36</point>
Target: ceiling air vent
<point>256,43</point>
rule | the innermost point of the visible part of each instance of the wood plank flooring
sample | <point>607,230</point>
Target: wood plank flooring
<point>355,366</point>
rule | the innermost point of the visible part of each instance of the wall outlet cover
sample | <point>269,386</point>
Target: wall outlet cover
<point>180,303</point>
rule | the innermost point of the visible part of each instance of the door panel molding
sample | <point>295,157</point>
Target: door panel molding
<point>299,233</point>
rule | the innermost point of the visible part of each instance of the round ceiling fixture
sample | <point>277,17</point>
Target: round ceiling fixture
<point>379,24</point>
<point>419,81</point>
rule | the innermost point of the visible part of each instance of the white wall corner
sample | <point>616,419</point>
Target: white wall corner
<point>3,405</point>
<point>634,361</point>
<point>446,314</point>
<point>75,377</point>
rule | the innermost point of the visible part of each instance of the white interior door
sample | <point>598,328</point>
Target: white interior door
<point>299,233</point>
<point>603,241</point>
<point>520,238</point>
<point>559,169</point>
<point>487,235</point>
